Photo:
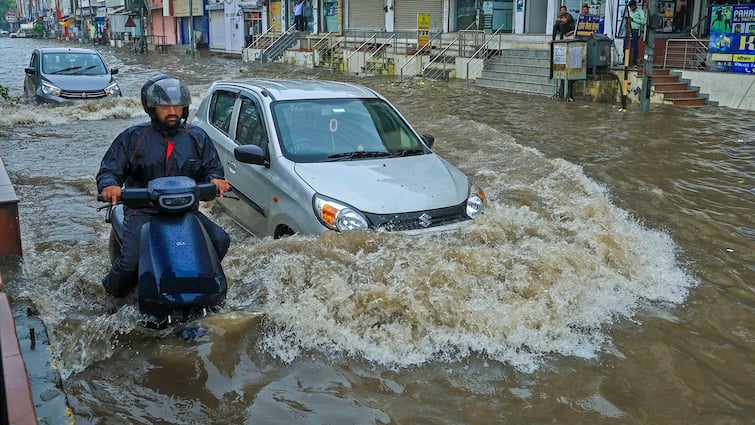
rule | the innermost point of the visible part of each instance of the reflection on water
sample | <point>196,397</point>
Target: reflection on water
<point>611,277</point>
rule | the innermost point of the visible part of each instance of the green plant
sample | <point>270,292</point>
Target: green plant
<point>38,30</point>
<point>4,94</point>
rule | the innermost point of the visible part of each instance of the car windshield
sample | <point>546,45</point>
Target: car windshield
<point>70,63</point>
<point>342,130</point>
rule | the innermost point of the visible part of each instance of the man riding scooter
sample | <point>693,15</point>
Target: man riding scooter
<point>165,146</point>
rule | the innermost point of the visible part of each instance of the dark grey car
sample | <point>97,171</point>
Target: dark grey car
<point>56,75</point>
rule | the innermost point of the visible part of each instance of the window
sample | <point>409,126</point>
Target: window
<point>34,62</point>
<point>249,129</point>
<point>221,109</point>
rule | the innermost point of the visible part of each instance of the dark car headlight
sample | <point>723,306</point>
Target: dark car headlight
<point>113,89</point>
<point>49,89</point>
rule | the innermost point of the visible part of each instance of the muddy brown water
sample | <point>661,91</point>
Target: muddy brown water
<point>610,280</point>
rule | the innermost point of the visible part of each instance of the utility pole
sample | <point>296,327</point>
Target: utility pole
<point>191,26</point>
<point>649,53</point>
<point>627,51</point>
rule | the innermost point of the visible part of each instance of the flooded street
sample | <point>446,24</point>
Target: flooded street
<point>611,280</point>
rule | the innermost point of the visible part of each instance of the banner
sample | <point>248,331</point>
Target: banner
<point>732,38</point>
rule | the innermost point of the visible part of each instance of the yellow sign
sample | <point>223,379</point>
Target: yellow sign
<point>423,30</point>
<point>744,58</point>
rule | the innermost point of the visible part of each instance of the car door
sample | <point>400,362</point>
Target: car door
<point>32,81</point>
<point>250,182</point>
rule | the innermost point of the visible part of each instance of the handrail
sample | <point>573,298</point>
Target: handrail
<point>379,48</point>
<point>291,29</point>
<point>702,48</point>
<point>442,53</point>
<point>412,58</point>
<point>258,38</point>
<point>483,47</point>
<point>361,46</point>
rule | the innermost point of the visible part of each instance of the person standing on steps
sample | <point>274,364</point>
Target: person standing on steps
<point>299,16</point>
<point>636,20</point>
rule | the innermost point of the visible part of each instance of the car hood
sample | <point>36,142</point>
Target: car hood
<point>80,82</point>
<point>388,185</point>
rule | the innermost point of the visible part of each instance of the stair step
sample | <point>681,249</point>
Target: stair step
<point>680,94</point>
<point>696,101</point>
<point>668,87</point>
<point>664,79</point>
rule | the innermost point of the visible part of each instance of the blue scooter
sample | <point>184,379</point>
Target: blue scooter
<point>179,273</point>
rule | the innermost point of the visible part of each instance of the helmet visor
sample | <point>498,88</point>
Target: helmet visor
<point>168,92</point>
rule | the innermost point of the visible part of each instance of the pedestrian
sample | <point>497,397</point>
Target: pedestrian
<point>164,146</point>
<point>636,18</point>
<point>250,34</point>
<point>299,24</point>
<point>564,24</point>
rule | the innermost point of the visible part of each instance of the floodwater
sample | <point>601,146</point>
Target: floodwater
<point>611,280</point>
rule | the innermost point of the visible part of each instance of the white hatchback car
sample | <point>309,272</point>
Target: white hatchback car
<point>307,156</point>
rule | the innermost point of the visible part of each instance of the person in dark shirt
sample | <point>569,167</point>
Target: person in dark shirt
<point>164,146</point>
<point>564,23</point>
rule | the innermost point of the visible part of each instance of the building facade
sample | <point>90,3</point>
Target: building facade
<point>224,25</point>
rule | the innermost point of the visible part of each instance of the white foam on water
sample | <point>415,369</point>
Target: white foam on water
<point>545,271</point>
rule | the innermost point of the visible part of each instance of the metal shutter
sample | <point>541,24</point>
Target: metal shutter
<point>217,29</point>
<point>406,14</point>
<point>366,14</point>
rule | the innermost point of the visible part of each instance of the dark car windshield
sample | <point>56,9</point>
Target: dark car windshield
<point>72,63</point>
<point>342,129</point>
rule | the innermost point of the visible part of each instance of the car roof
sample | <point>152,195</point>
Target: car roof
<point>286,89</point>
<point>65,49</point>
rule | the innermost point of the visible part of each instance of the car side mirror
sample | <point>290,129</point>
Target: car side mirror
<point>250,154</point>
<point>30,71</point>
<point>113,71</point>
<point>428,139</point>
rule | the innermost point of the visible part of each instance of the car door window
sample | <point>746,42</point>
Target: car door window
<point>249,128</point>
<point>34,62</point>
<point>221,110</point>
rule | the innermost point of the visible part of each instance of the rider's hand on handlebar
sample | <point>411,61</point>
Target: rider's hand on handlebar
<point>222,185</point>
<point>111,194</point>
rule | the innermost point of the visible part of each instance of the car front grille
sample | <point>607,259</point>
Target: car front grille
<point>418,219</point>
<point>83,94</point>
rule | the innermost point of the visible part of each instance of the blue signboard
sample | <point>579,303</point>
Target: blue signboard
<point>732,38</point>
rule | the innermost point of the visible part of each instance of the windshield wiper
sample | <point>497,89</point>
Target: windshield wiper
<point>86,69</point>
<point>357,155</point>
<point>70,68</point>
<point>409,152</point>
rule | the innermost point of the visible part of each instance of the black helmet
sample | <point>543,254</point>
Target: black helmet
<point>147,85</point>
<point>164,90</point>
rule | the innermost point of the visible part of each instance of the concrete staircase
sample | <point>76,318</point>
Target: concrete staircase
<point>676,90</point>
<point>274,44</point>
<point>519,70</point>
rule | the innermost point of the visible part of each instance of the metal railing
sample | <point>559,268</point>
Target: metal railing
<point>377,60</point>
<point>436,42</point>
<point>414,60</point>
<point>484,53</point>
<point>686,53</point>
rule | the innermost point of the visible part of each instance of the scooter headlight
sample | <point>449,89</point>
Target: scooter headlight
<point>177,202</point>
<point>338,216</point>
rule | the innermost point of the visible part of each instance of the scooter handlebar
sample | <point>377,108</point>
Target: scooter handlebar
<point>207,191</point>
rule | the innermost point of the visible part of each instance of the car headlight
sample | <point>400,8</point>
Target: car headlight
<point>113,90</point>
<point>338,216</point>
<point>476,202</point>
<point>50,90</point>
